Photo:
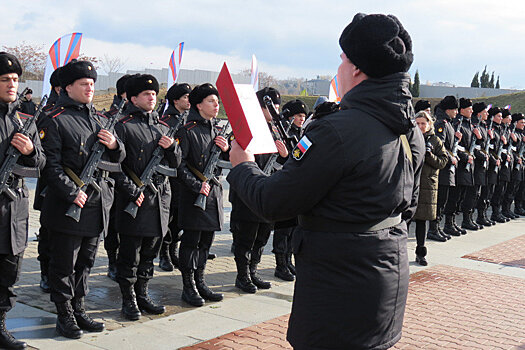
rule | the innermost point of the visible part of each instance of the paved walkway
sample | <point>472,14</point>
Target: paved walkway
<point>471,296</point>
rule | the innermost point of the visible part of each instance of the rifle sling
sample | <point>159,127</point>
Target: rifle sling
<point>136,180</point>
<point>74,177</point>
<point>197,173</point>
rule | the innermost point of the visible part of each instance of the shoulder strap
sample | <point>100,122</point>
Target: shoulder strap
<point>406,146</point>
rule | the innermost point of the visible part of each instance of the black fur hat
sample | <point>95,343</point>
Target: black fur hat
<point>268,91</point>
<point>478,107</point>
<point>377,44</point>
<point>53,79</point>
<point>421,105</point>
<point>141,82</point>
<point>294,107</point>
<point>9,64</point>
<point>465,103</point>
<point>177,91</point>
<point>75,70</point>
<point>449,102</point>
<point>200,92</point>
<point>121,84</point>
<point>494,110</point>
<point>517,116</point>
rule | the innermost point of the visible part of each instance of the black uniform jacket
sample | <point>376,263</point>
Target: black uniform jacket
<point>495,144</point>
<point>518,171</point>
<point>196,142</point>
<point>27,106</point>
<point>171,117</point>
<point>354,171</point>
<point>465,177</point>
<point>14,215</point>
<point>68,137</point>
<point>444,130</point>
<point>141,132</point>
<point>480,172</point>
<point>506,158</point>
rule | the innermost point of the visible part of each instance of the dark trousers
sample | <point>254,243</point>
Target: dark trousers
<point>471,198</point>
<point>173,235</point>
<point>442,199</point>
<point>194,248</point>
<point>510,193</point>
<point>44,250</point>
<point>282,240</point>
<point>10,266</point>
<point>135,258</point>
<point>72,258</point>
<point>421,232</point>
<point>112,240</point>
<point>249,239</point>
<point>499,193</point>
<point>485,195</point>
<point>455,196</point>
<point>520,195</point>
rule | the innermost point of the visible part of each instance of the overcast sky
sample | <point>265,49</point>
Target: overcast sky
<point>452,39</point>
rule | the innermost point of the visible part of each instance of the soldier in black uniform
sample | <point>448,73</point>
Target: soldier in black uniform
<point>27,105</point>
<point>68,138</point>
<point>112,241</point>
<point>495,164</point>
<point>296,112</point>
<point>140,238</point>
<point>44,249</point>
<point>178,107</point>
<point>445,112</point>
<point>519,166</point>
<point>508,158</point>
<point>347,178</point>
<point>197,139</point>
<point>14,214</point>
<point>516,175</point>
<point>481,161</point>
<point>250,231</point>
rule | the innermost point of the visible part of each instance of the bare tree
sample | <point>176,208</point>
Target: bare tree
<point>94,60</point>
<point>32,59</point>
<point>112,64</point>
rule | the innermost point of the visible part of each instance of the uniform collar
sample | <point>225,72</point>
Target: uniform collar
<point>150,117</point>
<point>195,116</point>
<point>65,101</point>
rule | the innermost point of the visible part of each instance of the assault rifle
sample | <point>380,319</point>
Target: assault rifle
<point>152,168</point>
<point>208,175</point>
<point>511,147</point>
<point>9,166</point>
<point>487,146</point>
<point>162,106</point>
<point>454,151</point>
<point>499,150</point>
<point>289,140</point>
<point>520,155</point>
<point>93,163</point>
<point>472,148</point>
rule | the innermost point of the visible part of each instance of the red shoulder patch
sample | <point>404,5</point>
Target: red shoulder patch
<point>102,115</point>
<point>190,125</point>
<point>57,114</point>
<point>24,116</point>
<point>126,119</point>
<point>163,123</point>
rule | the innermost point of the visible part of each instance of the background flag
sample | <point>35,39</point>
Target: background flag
<point>61,52</point>
<point>333,95</point>
<point>255,74</point>
<point>175,62</point>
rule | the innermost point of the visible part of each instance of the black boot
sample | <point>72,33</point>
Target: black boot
<point>440,230</point>
<point>518,209</point>
<point>83,320</point>
<point>496,215</point>
<point>449,228</point>
<point>66,323</point>
<point>174,256</point>
<point>281,268</point>
<point>7,341</point>
<point>112,266</point>
<point>144,301</point>
<point>130,309</point>
<point>507,212</point>
<point>461,231</point>
<point>433,232</point>
<point>203,289</point>
<point>487,204</point>
<point>421,252</point>
<point>258,281</point>
<point>290,265</point>
<point>164,258</point>
<point>467,222</point>
<point>189,291</point>
<point>482,219</point>
<point>44,284</point>
<point>243,280</point>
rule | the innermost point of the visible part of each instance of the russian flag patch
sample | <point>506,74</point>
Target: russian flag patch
<point>301,148</point>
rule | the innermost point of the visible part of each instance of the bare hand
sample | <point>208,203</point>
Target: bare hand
<point>205,189</point>
<point>221,142</point>
<point>238,155</point>
<point>514,138</point>
<point>470,159</point>
<point>454,161</point>
<point>23,144</point>
<point>139,200</point>
<point>504,139</point>
<point>166,142</point>
<point>281,148</point>
<point>458,135</point>
<point>81,199</point>
<point>107,139</point>
<point>498,162</point>
<point>477,133</point>
<point>491,133</point>
<point>519,161</point>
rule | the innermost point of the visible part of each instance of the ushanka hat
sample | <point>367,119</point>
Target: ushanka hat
<point>421,105</point>
<point>377,44</point>
<point>200,92</point>
<point>465,103</point>
<point>271,92</point>
<point>177,91</point>
<point>75,70</point>
<point>449,102</point>
<point>121,84</point>
<point>294,107</point>
<point>54,80</point>
<point>9,64</point>
<point>141,82</point>
<point>478,107</point>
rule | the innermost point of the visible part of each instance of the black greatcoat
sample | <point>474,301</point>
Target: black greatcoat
<point>196,142</point>
<point>68,138</point>
<point>493,173</point>
<point>444,130</point>
<point>465,177</point>
<point>141,132</point>
<point>351,286</point>
<point>14,215</point>
<point>480,173</point>
<point>506,159</point>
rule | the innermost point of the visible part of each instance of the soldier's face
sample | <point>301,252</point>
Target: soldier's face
<point>209,107</point>
<point>507,120</point>
<point>497,118</point>
<point>146,100</point>
<point>29,96</point>
<point>520,124</point>
<point>81,90</point>
<point>451,113</point>
<point>183,103</point>
<point>8,87</point>
<point>466,112</point>
<point>299,119</point>
<point>484,114</point>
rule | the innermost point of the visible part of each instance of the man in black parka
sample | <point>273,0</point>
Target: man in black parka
<point>353,181</point>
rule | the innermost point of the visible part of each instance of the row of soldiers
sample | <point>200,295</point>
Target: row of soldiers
<point>94,185</point>
<point>486,147</point>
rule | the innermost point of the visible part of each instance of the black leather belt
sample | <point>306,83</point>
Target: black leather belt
<point>315,223</point>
